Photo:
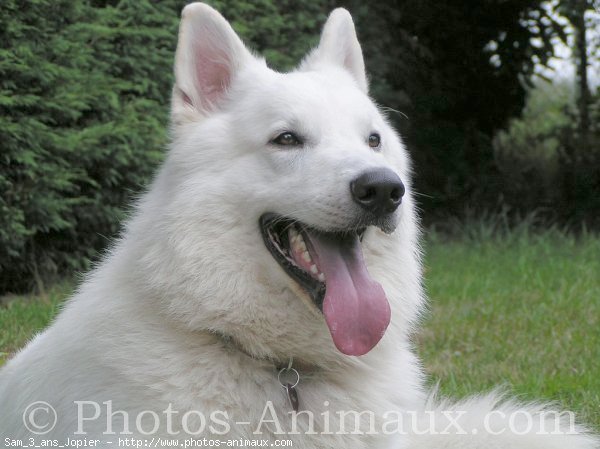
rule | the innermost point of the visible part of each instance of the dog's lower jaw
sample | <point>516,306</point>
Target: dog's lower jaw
<point>307,300</point>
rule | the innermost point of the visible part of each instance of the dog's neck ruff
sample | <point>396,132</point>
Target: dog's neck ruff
<point>276,364</point>
<point>287,376</point>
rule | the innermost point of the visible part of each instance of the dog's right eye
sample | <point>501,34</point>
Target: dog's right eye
<point>287,139</point>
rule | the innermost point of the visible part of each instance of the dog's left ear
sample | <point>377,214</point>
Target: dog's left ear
<point>339,45</point>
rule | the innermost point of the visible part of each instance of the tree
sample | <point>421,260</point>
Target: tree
<point>575,11</point>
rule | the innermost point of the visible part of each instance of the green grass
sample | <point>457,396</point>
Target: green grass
<point>515,309</point>
<point>21,317</point>
<point>518,310</point>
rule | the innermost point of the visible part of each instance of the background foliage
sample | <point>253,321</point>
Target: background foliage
<point>84,90</point>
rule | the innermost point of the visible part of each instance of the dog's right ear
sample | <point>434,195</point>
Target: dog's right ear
<point>209,54</point>
<point>339,45</point>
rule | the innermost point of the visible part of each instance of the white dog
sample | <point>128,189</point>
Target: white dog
<point>273,265</point>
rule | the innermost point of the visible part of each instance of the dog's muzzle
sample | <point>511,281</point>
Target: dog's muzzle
<point>379,193</point>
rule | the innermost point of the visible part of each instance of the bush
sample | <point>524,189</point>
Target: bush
<point>527,153</point>
<point>83,113</point>
<point>545,164</point>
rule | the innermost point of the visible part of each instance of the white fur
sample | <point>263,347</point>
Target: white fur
<point>141,330</point>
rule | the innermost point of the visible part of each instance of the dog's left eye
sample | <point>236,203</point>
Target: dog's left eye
<point>374,140</point>
<point>287,139</point>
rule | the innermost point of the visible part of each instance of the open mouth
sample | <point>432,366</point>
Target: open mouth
<point>330,267</point>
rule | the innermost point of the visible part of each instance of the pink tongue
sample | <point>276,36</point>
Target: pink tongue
<point>355,307</point>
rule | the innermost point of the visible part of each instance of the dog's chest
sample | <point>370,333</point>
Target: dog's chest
<point>330,414</point>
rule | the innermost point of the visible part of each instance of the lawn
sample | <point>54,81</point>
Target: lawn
<point>22,317</point>
<point>519,310</point>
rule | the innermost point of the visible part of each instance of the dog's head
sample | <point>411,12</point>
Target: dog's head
<point>288,194</point>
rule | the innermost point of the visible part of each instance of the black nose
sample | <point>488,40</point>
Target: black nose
<point>378,191</point>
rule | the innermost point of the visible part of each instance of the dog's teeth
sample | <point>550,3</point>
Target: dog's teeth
<point>306,256</point>
<point>298,243</point>
<point>321,277</point>
<point>314,269</point>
